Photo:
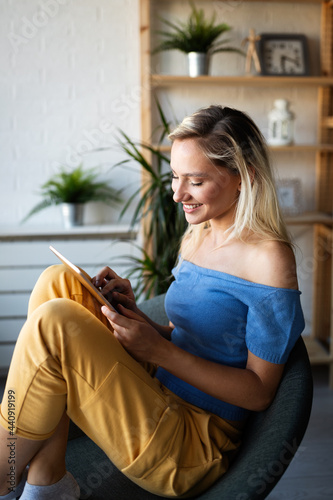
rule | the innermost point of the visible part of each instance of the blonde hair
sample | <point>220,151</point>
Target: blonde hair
<point>230,139</point>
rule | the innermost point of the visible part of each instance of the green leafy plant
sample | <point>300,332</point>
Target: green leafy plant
<point>76,186</point>
<point>162,219</point>
<point>197,34</point>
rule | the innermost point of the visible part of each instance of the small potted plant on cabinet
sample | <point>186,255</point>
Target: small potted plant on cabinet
<point>198,37</point>
<point>72,190</point>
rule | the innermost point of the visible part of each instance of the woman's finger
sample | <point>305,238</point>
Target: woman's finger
<point>123,318</point>
<point>119,284</point>
<point>105,274</point>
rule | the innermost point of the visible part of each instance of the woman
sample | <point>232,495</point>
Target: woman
<point>166,404</point>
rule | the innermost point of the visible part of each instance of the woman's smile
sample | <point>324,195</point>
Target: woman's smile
<point>189,208</point>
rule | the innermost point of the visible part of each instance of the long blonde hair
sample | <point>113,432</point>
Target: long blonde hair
<point>230,139</point>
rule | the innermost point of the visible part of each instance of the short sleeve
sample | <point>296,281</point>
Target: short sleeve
<point>274,324</point>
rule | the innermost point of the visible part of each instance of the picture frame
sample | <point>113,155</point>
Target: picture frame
<point>289,194</point>
<point>283,54</point>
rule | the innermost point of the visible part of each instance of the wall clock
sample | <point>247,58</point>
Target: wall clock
<point>283,54</point>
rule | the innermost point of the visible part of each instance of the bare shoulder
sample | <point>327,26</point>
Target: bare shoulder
<point>273,264</point>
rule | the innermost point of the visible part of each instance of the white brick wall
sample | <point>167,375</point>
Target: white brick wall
<point>66,67</point>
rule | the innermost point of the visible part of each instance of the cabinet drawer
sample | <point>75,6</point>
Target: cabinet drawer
<point>9,329</point>
<point>13,305</point>
<point>6,353</point>
<point>18,280</point>
<point>23,280</point>
<point>82,252</point>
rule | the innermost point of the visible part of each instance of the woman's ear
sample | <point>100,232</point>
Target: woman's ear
<point>252,174</point>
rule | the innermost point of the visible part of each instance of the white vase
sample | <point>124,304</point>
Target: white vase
<point>198,64</point>
<point>72,214</point>
<point>280,124</point>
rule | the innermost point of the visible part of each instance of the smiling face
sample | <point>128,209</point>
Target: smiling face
<point>207,192</point>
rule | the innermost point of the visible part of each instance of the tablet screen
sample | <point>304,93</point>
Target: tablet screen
<point>83,278</point>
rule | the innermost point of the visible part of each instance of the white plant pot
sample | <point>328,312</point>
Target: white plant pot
<point>72,214</point>
<point>198,64</point>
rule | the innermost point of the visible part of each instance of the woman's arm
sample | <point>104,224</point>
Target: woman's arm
<point>252,388</point>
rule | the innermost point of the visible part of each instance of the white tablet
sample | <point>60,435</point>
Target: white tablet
<point>84,279</point>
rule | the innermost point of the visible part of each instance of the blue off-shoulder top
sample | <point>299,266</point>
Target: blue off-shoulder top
<point>219,317</point>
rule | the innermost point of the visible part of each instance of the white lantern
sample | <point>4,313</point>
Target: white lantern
<point>280,124</point>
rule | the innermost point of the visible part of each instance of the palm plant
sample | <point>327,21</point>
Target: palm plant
<point>163,221</point>
<point>78,186</point>
<point>197,34</point>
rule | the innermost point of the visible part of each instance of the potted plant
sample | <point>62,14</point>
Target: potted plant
<point>72,190</point>
<point>162,220</point>
<point>198,37</point>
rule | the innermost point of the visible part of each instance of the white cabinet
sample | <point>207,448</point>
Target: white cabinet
<point>24,254</point>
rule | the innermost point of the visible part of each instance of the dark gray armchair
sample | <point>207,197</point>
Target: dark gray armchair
<point>271,439</point>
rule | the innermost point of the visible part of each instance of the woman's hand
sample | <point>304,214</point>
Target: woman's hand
<point>135,334</point>
<point>108,281</point>
<point>114,288</point>
<point>118,291</point>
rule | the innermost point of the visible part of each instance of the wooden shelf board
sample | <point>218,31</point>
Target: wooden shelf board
<point>309,218</point>
<point>306,148</point>
<point>279,1</point>
<point>303,147</point>
<point>245,81</point>
<point>318,355</point>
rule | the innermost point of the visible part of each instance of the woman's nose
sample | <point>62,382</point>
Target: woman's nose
<point>179,194</point>
<point>176,197</point>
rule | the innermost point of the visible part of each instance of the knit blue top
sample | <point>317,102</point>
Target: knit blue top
<point>219,317</point>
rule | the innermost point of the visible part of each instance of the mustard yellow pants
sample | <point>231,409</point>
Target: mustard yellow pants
<point>67,359</point>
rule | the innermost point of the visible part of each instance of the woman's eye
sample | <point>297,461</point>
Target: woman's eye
<point>174,177</point>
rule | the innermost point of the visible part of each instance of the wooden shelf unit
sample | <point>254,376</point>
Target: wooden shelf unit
<point>320,344</point>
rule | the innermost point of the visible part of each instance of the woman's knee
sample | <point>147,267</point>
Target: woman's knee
<point>58,325</point>
<point>51,276</point>
<point>55,282</point>
<point>55,325</point>
<point>52,273</point>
